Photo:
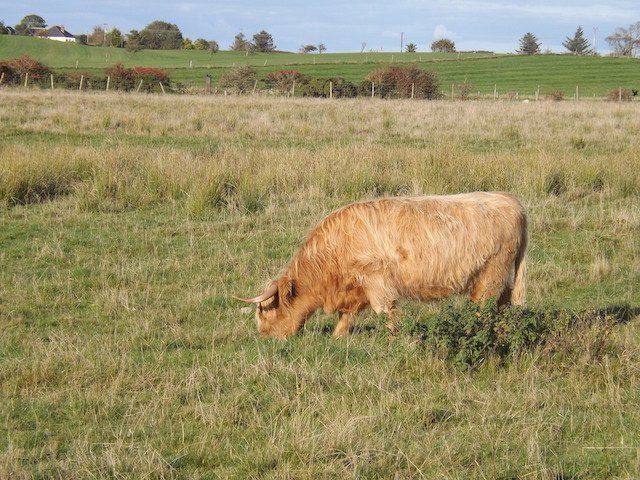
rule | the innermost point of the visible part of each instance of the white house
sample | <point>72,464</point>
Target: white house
<point>57,33</point>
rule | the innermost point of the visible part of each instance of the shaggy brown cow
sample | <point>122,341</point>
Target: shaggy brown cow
<point>374,252</point>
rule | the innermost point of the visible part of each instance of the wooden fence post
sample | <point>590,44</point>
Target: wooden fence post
<point>81,82</point>
<point>620,94</point>
<point>413,88</point>
<point>26,79</point>
<point>162,88</point>
<point>139,85</point>
<point>51,78</point>
<point>191,64</point>
<point>208,80</point>
<point>373,89</point>
<point>108,82</point>
<point>452,85</point>
<point>1,77</point>
<point>76,64</point>
<point>330,89</point>
<point>265,63</point>
<point>255,85</point>
<point>495,91</point>
<point>577,95</point>
<point>293,88</point>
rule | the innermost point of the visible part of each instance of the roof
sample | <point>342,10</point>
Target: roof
<point>56,31</point>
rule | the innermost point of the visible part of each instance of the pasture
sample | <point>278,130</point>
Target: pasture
<point>128,221</point>
<point>594,76</point>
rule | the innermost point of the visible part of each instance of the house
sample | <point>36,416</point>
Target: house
<point>57,33</point>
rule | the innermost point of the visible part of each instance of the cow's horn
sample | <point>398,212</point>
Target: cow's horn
<point>270,290</point>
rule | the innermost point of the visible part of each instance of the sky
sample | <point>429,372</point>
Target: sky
<point>344,26</point>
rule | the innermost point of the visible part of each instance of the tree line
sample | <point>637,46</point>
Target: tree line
<point>161,35</point>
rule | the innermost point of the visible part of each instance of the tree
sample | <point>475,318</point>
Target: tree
<point>29,23</point>
<point>201,44</point>
<point>443,45</point>
<point>98,37</point>
<point>529,44</point>
<point>308,48</point>
<point>160,35</point>
<point>240,43</point>
<point>187,44</point>
<point>578,44</point>
<point>81,39</point>
<point>263,42</point>
<point>411,48</point>
<point>132,41</point>
<point>624,41</point>
<point>3,29</point>
<point>114,37</point>
<point>322,48</point>
<point>213,46</point>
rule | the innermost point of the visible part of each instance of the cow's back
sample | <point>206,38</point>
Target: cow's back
<point>424,247</point>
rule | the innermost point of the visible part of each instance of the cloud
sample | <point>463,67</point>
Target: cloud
<point>442,32</point>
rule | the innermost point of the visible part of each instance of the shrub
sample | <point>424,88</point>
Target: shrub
<point>469,334</point>
<point>322,87</point>
<point>14,70</point>
<point>128,79</point>
<point>620,94</point>
<point>121,78</point>
<point>464,91</point>
<point>556,96</point>
<point>71,80</point>
<point>399,81</point>
<point>283,80</point>
<point>238,79</point>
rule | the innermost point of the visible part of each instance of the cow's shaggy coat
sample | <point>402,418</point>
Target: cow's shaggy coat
<point>374,252</point>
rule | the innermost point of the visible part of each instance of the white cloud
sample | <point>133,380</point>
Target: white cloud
<point>442,32</point>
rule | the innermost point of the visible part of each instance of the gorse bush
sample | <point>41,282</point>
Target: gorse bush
<point>469,334</point>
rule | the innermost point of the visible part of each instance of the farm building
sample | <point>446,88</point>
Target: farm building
<point>57,33</point>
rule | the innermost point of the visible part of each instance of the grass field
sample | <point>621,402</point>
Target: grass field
<point>522,74</point>
<point>128,221</point>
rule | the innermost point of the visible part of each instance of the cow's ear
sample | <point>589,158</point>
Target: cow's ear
<point>286,290</point>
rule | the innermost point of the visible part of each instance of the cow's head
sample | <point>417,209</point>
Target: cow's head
<point>276,315</point>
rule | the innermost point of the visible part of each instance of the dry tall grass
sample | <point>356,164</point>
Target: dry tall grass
<point>127,221</point>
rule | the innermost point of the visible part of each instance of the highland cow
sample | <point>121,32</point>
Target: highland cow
<point>373,253</point>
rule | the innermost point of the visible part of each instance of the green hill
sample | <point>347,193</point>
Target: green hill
<point>522,74</point>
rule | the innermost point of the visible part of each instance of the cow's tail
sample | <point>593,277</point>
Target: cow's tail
<point>518,294</point>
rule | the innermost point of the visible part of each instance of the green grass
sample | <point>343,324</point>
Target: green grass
<point>123,355</point>
<point>509,73</point>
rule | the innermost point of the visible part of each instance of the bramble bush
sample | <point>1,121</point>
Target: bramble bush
<point>238,79</point>
<point>14,70</point>
<point>282,80</point>
<point>127,79</point>
<point>620,95</point>
<point>397,82</point>
<point>469,334</point>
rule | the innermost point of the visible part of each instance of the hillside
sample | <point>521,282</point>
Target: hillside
<point>593,75</point>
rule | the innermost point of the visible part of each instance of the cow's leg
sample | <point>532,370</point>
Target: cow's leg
<point>344,325</point>
<point>390,311</point>
<point>493,281</point>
